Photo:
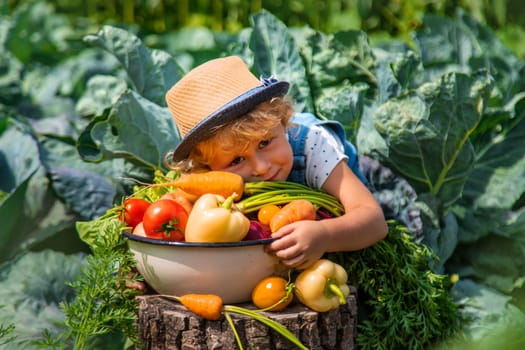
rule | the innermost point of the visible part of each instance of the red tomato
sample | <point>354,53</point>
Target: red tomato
<point>165,219</point>
<point>134,209</point>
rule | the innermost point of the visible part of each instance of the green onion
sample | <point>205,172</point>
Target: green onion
<point>259,194</point>
<point>234,330</point>
<point>276,326</point>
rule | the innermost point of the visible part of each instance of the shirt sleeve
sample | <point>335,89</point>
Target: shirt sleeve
<point>323,151</point>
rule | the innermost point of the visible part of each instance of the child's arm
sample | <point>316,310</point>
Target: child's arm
<point>363,224</point>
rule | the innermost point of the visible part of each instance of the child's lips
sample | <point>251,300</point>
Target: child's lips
<point>274,177</point>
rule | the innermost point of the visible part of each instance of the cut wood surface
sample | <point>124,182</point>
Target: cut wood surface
<point>165,324</point>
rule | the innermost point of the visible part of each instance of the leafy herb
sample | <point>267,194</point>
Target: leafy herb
<point>103,304</point>
<point>402,303</point>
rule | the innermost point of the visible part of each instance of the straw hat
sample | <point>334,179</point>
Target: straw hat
<point>213,93</point>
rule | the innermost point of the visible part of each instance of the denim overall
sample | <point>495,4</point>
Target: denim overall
<point>301,123</point>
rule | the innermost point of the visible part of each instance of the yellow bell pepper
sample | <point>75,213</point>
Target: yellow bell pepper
<point>214,219</point>
<point>322,286</point>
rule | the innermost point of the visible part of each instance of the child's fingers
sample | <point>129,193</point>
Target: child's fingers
<point>139,286</point>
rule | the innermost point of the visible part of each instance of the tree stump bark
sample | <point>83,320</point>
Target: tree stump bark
<point>165,324</point>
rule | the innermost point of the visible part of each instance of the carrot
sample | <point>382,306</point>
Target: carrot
<point>217,182</point>
<point>190,197</point>
<point>296,210</point>
<point>208,306</point>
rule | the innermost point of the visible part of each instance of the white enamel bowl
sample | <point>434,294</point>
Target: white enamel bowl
<point>230,270</point>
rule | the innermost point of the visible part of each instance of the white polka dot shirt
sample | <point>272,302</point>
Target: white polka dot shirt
<point>323,151</point>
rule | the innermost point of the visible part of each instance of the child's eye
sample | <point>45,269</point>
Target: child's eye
<point>264,143</point>
<point>236,161</point>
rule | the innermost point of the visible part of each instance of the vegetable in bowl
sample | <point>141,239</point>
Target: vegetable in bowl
<point>229,269</point>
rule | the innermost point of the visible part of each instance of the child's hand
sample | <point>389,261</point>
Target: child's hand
<point>300,244</point>
<point>132,282</point>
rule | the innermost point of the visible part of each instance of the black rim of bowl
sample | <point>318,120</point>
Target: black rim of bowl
<point>154,241</point>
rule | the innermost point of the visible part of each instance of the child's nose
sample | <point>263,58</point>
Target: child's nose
<point>260,166</point>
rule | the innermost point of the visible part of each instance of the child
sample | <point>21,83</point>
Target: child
<point>231,121</point>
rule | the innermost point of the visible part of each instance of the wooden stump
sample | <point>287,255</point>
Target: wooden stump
<point>165,324</point>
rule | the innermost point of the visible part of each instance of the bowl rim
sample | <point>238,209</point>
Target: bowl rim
<point>155,241</point>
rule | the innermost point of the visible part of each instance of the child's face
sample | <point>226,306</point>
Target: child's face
<point>263,159</point>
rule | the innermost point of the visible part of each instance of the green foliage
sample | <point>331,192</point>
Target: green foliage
<point>402,303</point>
<point>80,127</point>
<point>454,99</point>
<point>379,18</point>
<point>103,305</point>
<point>505,245</point>
<point>6,331</point>
<point>152,72</point>
<point>500,328</point>
<point>32,288</point>
<point>395,195</point>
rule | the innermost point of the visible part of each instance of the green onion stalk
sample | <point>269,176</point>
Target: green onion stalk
<point>262,193</point>
<point>276,326</point>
